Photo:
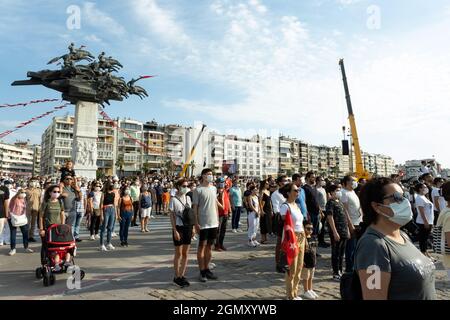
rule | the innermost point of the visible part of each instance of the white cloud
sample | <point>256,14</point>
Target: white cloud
<point>99,19</point>
<point>92,38</point>
<point>160,22</point>
<point>347,2</point>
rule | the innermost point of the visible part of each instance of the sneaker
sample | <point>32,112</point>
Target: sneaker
<point>78,240</point>
<point>28,250</point>
<point>217,248</point>
<point>179,282</point>
<point>113,235</point>
<point>126,244</point>
<point>223,248</point>
<point>234,231</point>
<point>103,248</point>
<point>318,255</point>
<point>209,275</point>
<point>12,252</point>
<point>239,230</point>
<point>280,269</point>
<point>251,244</point>
<point>31,239</point>
<point>92,238</point>
<point>211,265</point>
<point>122,244</point>
<point>194,238</point>
<point>152,216</point>
<point>203,278</point>
<point>308,295</point>
<point>314,293</point>
<point>109,246</point>
<point>142,230</point>
<point>67,263</point>
<point>185,282</point>
<point>146,230</point>
<point>297,298</point>
<point>97,236</point>
<point>57,268</point>
<point>256,243</point>
<point>336,277</point>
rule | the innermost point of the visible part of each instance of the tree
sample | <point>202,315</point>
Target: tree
<point>192,164</point>
<point>146,168</point>
<point>120,164</point>
<point>169,167</point>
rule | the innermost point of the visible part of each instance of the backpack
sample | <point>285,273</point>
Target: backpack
<point>350,284</point>
<point>188,215</point>
<point>440,245</point>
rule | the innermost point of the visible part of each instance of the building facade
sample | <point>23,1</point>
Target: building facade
<point>16,160</point>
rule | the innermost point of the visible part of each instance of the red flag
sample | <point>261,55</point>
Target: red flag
<point>289,241</point>
<point>146,77</point>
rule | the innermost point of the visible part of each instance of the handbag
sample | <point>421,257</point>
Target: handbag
<point>18,221</point>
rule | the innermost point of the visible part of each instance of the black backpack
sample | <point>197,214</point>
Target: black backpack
<point>188,215</point>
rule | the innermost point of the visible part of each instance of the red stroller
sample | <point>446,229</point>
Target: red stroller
<point>58,242</point>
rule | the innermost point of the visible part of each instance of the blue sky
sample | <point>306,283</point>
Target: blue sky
<point>250,65</point>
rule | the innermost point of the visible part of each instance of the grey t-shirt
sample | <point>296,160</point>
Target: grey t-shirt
<point>412,274</point>
<point>69,201</point>
<point>205,198</point>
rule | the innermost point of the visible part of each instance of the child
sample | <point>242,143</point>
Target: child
<point>443,224</point>
<point>309,259</point>
<point>339,230</point>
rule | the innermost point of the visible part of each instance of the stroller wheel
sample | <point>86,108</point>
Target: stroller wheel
<point>39,273</point>
<point>52,279</point>
<point>46,280</point>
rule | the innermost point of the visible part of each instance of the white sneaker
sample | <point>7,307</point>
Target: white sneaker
<point>308,295</point>
<point>103,248</point>
<point>28,250</point>
<point>109,246</point>
<point>92,237</point>
<point>239,230</point>
<point>97,236</point>
<point>256,243</point>
<point>1,244</point>
<point>113,235</point>
<point>314,293</point>
<point>234,231</point>
<point>297,298</point>
<point>251,244</point>
<point>194,238</point>
<point>211,265</point>
<point>12,252</point>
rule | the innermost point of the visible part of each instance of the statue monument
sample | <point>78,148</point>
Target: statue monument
<point>86,86</point>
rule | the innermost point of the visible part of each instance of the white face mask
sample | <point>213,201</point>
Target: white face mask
<point>184,190</point>
<point>55,195</point>
<point>97,189</point>
<point>323,184</point>
<point>402,212</point>
<point>354,185</point>
<point>127,192</point>
<point>339,194</point>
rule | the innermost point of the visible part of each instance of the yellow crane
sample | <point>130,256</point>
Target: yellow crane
<point>191,154</point>
<point>360,172</point>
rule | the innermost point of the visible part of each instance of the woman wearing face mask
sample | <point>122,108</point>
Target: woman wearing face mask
<point>425,216</point>
<point>253,216</point>
<point>107,217</point>
<point>181,233</point>
<point>126,214</point>
<point>94,200</point>
<point>145,209</point>
<point>404,273</point>
<point>18,208</point>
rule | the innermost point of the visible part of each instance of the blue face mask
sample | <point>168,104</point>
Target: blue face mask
<point>402,212</point>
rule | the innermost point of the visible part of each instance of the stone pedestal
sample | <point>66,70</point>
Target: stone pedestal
<point>85,133</point>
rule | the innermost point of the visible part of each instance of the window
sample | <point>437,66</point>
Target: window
<point>257,161</point>
<point>236,147</point>
<point>236,153</point>
<point>244,154</point>
<point>250,166</point>
<point>230,153</point>
<point>257,149</point>
<point>230,146</point>
<point>251,160</point>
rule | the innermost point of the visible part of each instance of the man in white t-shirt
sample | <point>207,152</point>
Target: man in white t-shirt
<point>353,212</point>
<point>437,198</point>
<point>277,200</point>
<point>424,168</point>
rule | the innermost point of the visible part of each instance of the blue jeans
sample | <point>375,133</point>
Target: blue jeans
<point>349,254</point>
<point>124,225</point>
<point>315,222</point>
<point>76,226</point>
<point>13,233</point>
<point>236,216</point>
<point>109,215</point>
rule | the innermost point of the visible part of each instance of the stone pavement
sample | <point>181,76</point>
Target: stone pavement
<point>144,271</point>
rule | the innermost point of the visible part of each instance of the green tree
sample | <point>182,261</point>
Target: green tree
<point>146,168</point>
<point>120,164</point>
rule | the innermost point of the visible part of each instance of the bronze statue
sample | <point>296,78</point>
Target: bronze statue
<point>93,82</point>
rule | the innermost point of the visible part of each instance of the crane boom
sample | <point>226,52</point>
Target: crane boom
<point>191,154</point>
<point>360,171</point>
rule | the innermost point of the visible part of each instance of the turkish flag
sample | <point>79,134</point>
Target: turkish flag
<point>289,240</point>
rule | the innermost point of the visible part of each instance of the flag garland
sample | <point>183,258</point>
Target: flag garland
<point>25,123</point>
<point>23,104</point>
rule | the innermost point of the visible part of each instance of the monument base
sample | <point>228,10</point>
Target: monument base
<point>84,152</point>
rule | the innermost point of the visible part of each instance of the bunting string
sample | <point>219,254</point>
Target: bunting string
<point>25,123</point>
<point>23,104</point>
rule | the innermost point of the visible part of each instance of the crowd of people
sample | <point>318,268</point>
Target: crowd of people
<point>367,223</point>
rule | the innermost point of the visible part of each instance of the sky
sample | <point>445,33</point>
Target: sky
<point>251,66</point>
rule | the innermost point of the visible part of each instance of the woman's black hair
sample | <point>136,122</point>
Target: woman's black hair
<point>446,191</point>
<point>48,192</point>
<point>346,179</point>
<point>332,188</point>
<point>286,189</point>
<point>419,186</point>
<point>373,191</point>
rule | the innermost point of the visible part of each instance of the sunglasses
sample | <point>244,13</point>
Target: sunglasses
<point>396,196</point>
<point>309,228</point>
